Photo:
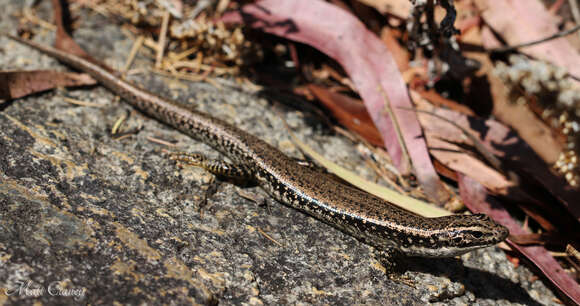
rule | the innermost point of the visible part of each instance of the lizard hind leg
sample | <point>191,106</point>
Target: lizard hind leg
<point>226,171</point>
<point>395,267</point>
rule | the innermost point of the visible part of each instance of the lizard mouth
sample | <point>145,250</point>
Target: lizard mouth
<point>440,252</point>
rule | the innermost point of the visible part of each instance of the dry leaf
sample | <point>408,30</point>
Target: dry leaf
<point>17,84</point>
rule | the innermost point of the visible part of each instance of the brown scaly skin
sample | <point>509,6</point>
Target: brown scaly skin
<point>364,216</point>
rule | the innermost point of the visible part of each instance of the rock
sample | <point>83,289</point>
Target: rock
<point>85,217</point>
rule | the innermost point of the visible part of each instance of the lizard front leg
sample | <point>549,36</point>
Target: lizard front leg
<point>224,170</point>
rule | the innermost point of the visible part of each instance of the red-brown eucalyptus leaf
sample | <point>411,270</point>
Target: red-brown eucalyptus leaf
<point>444,142</point>
<point>504,143</point>
<point>476,199</point>
<point>349,112</point>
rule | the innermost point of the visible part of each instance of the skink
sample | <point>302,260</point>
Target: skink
<point>362,215</point>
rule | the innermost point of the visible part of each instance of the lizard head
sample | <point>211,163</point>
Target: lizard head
<point>455,235</point>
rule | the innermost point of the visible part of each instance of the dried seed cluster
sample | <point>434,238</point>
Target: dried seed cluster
<point>559,99</point>
<point>135,11</point>
<point>211,48</point>
<point>220,46</point>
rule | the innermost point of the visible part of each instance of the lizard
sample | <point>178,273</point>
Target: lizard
<point>366,217</point>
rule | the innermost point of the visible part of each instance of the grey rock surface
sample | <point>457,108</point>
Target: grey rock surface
<point>85,218</point>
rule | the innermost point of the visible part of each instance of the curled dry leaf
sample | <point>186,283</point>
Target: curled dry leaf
<point>17,84</point>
